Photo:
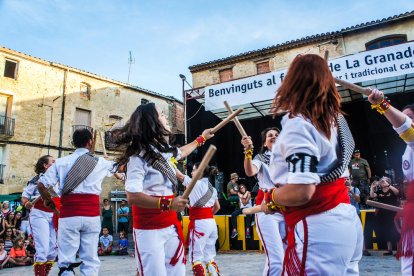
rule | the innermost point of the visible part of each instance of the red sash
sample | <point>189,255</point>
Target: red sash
<point>326,197</point>
<point>39,205</point>
<point>259,197</point>
<point>197,213</point>
<point>405,245</point>
<point>155,218</point>
<point>84,205</point>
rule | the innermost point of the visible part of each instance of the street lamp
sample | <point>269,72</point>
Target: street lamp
<point>184,79</point>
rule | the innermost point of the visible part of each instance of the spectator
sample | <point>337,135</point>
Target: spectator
<point>10,223</point>
<point>18,223</point>
<point>361,173</point>
<point>8,239</point>
<point>18,254</point>
<point>105,243</point>
<point>30,248</point>
<point>387,194</point>
<point>233,188</point>
<point>107,216</point>
<point>122,244</point>
<point>2,226</point>
<point>5,210</point>
<point>244,202</point>
<point>354,193</point>
<point>4,257</point>
<point>123,213</point>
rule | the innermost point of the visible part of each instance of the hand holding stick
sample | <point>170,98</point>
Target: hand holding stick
<point>384,206</point>
<point>200,170</point>
<point>252,210</point>
<point>226,120</point>
<point>103,143</point>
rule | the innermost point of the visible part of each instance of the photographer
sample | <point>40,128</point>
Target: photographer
<point>383,192</point>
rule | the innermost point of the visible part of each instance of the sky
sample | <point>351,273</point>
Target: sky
<point>167,36</point>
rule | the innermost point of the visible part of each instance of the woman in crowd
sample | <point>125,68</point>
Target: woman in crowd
<point>8,239</point>
<point>41,220</point>
<point>402,123</point>
<point>107,214</point>
<point>18,223</point>
<point>5,209</point>
<point>270,225</point>
<point>2,225</point>
<point>150,185</point>
<point>202,229</point>
<point>10,222</point>
<point>385,193</point>
<point>324,231</point>
<point>245,201</point>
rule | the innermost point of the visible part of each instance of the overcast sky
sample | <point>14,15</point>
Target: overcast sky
<point>166,37</point>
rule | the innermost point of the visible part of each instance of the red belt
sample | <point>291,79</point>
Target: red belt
<point>197,213</point>
<point>84,205</point>
<point>39,205</point>
<point>326,197</point>
<point>155,218</point>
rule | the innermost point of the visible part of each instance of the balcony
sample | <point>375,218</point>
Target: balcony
<point>76,127</point>
<point>6,126</point>
<point>2,169</point>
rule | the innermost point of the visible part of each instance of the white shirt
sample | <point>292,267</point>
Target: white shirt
<point>408,156</point>
<point>265,182</point>
<point>248,204</point>
<point>143,178</point>
<point>31,192</point>
<point>298,135</point>
<point>93,182</point>
<point>199,190</point>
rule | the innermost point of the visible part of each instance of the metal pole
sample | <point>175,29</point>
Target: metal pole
<point>185,113</point>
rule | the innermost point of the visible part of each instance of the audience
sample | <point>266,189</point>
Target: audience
<point>105,243</point>
<point>4,257</point>
<point>244,202</point>
<point>18,254</point>
<point>122,244</point>
<point>2,226</point>
<point>5,210</point>
<point>361,173</point>
<point>123,213</point>
<point>107,214</point>
<point>10,222</point>
<point>233,188</point>
<point>8,239</point>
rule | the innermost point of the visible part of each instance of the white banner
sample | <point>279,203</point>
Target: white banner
<point>376,64</point>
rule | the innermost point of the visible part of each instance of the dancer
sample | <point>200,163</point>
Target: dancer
<point>202,229</point>
<point>150,185</point>
<point>269,224</point>
<point>80,176</point>
<point>41,220</point>
<point>402,123</point>
<point>309,160</point>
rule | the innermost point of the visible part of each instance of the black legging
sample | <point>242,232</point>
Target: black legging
<point>234,215</point>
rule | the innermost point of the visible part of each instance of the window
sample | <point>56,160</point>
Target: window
<point>144,101</point>
<point>385,41</point>
<point>263,67</point>
<point>85,90</point>
<point>226,75</point>
<point>10,69</point>
<point>82,119</point>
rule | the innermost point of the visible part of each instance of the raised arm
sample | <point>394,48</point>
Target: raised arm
<point>190,147</point>
<point>249,168</point>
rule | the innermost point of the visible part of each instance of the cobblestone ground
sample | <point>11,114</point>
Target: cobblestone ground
<point>240,264</point>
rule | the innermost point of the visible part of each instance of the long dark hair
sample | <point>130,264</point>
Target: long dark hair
<point>410,107</point>
<point>263,135</point>
<point>210,172</point>
<point>40,164</point>
<point>309,90</point>
<point>142,132</point>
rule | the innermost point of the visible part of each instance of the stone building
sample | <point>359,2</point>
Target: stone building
<point>375,138</point>
<point>42,103</point>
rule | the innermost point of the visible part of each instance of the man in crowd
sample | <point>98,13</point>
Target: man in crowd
<point>123,213</point>
<point>233,188</point>
<point>361,173</point>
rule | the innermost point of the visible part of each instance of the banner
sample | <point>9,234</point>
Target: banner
<point>369,65</point>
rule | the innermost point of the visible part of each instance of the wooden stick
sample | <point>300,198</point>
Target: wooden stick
<point>384,206</point>
<point>348,85</point>
<point>103,143</point>
<point>235,120</point>
<point>94,143</point>
<point>226,120</point>
<point>252,210</point>
<point>200,170</point>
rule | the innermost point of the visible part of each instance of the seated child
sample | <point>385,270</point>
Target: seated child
<point>18,254</point>
<point>105,242</point>
<point>4,258</point>
<point>122,244</point>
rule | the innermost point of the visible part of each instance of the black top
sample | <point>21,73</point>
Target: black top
<point>387,197</point>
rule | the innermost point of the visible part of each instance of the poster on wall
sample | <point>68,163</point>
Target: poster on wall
<point>365,66</point>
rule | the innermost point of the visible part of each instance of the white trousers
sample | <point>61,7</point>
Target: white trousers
<point>79,233</point>
<point>44,235</point>
<point>271,229</point>
<point>154,250</point>
<point>203,248</point>
<point>334,242</point>
<point>407,264</point>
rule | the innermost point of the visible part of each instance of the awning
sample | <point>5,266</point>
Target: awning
<point>11,197</point>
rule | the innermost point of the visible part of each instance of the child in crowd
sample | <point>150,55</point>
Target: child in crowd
<point>105,242</point>
<point>4,258</point>
<point>122,244</point>
<point>18,253</point>
<point>30,248</point>
<point>8,239</point>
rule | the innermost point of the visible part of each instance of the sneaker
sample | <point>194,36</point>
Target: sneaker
<point>234,234</point>
<point>388,253</point>
<point>248,233</point>
<point>366,253</point>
